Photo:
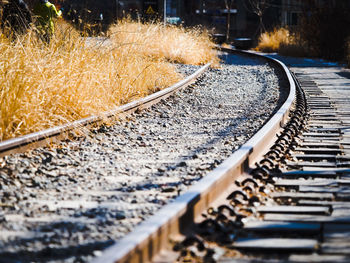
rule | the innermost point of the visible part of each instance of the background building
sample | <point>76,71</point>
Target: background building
<point>212,14</point>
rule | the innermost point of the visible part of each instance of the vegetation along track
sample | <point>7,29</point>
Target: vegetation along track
<point>71,201</point>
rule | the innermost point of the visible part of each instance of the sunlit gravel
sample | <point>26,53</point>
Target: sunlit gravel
<point>70,202</point>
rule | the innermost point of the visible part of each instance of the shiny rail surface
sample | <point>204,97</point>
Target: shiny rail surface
<point>44,137</point>
<point>157,233</point>
<point>294,205</point>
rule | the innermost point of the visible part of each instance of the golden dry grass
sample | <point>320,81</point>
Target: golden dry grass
<point>46,85</point>
<point>271,41</point>
<point>176,44</point>
<point>285,43</point>
<point>225,45</point>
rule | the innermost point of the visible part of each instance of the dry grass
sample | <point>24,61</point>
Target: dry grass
<point>282,41</point>
<point>46,85</point>
<point>271,41</point>
<point>176,44</point>
<point>225,45</point>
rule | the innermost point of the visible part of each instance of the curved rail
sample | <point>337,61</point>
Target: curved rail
<point>36,139</point>
<point>293,207</point>
<point>153,235</point>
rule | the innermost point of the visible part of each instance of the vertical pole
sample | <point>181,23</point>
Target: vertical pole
<point>164,12</point>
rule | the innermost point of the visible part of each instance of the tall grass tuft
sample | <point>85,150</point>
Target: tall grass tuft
<point>175,44</point>
<point>271,41</point>
<point>284,42</point>
<point>43,85</point>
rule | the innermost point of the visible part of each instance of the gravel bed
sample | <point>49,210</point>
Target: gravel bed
<point>68,202</point>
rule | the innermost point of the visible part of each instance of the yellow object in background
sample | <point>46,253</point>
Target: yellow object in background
<point>45,13</point>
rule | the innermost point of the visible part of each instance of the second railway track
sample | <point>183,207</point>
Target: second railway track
<point>70,202</point>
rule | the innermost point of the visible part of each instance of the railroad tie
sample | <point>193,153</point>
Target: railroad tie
<point>301,215</point>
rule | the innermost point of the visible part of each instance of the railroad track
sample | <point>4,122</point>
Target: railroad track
<point>58,133</point>
<point>283,196</point>
<point>291,206</point>
<point>71,201</point>
<point>304,217</point>
<point>160,232</point>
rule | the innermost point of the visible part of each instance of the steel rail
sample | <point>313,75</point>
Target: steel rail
<point>293,206</point>
<point>44,137</point>
<point>153,235</point>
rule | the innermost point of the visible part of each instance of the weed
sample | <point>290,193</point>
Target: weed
<point>271,41</point>
<point>281,40</point>
<point>74,77</point>
<point>175,44</point>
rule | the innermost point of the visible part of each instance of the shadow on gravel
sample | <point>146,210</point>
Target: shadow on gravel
<point>232,128</point>
<point>289,61</point>
<point>64,253</point>
<point>54,250</point>
<point>304,62</point>
<point>51,253</point>
<point>239,60</point>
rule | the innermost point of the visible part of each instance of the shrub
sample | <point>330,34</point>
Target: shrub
<point>175,44</point>
<point>281,40</point>
<point>271,41</point>
<point>322,32</point>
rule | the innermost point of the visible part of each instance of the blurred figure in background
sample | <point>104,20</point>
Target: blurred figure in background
<point>16,18</point>
<point>45,13</point>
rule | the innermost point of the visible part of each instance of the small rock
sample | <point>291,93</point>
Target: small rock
<point>168,190</point>
<point>120,215</point>
<point>97,253</point>
<point>161,169</point>
<point>182,164</point>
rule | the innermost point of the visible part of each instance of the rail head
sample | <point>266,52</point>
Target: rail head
<point>152,235</point>
<point>36,139</point>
